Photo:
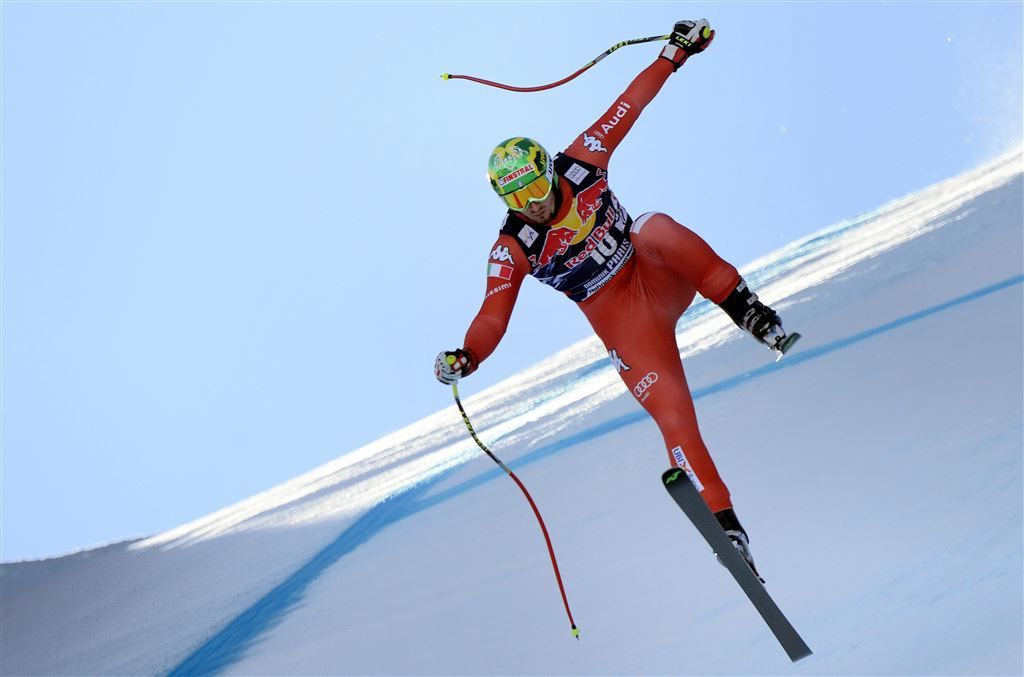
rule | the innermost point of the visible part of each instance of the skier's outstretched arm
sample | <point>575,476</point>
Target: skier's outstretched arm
<point>507,267</point>
<point>597,143</point>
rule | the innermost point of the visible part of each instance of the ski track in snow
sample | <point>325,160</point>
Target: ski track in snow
<point>303,528</point>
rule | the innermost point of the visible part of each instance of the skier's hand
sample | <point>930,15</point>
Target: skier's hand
<point>692,37</point>
<point>451,365</point>
<point>688,38</point>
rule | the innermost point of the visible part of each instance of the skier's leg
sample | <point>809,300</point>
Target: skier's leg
<point>670,404</point>
<point>661,240</point>
<point>640,338</point>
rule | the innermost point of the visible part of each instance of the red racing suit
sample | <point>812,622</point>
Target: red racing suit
<point>632,279</point>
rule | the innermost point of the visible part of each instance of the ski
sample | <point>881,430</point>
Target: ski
<point>783,344</point>
<point>681,489</point>
<point>787,343</point>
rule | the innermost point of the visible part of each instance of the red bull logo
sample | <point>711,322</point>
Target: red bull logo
<point>589,200</point>
<point>556,243</point>
<point>600,245</point>
<point>575,227</point>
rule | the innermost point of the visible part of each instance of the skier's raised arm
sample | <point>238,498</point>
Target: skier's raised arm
<point>599,141</point>
<point>506,268</point>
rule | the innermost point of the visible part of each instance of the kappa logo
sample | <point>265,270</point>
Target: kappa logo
<point>642,389</point>
<point>619,364</point>
<point>501,254</point>
<point>592,144</point>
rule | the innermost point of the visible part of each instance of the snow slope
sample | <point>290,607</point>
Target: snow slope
<point>877,469</point>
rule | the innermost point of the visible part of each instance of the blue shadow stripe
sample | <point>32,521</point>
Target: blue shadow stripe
<point>230,644</point>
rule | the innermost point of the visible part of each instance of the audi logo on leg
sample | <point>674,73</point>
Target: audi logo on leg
<point>640,389</point>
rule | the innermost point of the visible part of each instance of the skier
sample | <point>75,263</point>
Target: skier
<point>631,278</point>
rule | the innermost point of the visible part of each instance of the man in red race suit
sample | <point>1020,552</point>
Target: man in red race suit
<point>631,278</point>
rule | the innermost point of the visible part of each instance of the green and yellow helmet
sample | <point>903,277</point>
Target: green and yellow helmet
<point>521,172</point>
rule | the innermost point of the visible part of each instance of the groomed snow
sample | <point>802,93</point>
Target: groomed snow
<point>877,469</point>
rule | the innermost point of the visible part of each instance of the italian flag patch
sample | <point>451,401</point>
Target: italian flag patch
<point>499,271</point>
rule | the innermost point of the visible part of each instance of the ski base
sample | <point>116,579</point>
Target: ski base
<point>681,489</point>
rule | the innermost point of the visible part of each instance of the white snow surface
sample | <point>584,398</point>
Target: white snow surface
<point>877,470</point>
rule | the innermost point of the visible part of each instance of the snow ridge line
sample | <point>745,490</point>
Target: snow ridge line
<point>229,645</point>
<point>780,276</point>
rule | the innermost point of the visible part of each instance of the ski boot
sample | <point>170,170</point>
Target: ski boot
<point>758,320</point>
<point>738,535</point>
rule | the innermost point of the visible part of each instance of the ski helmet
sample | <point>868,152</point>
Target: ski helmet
<point>521,172</point>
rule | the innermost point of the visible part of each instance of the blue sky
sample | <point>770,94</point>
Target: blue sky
<point>235,235</point>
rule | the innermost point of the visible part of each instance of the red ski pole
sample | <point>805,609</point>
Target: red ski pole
<point>540,520</point>
<point>540,88</point>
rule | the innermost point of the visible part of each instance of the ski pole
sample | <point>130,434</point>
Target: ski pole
<point>540,88</point>
<point>543,528</point>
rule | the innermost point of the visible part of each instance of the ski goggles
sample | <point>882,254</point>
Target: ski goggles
<point>536,191</point>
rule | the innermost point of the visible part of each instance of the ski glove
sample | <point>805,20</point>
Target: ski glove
<point>688,38</point>
<point>451,365</point>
